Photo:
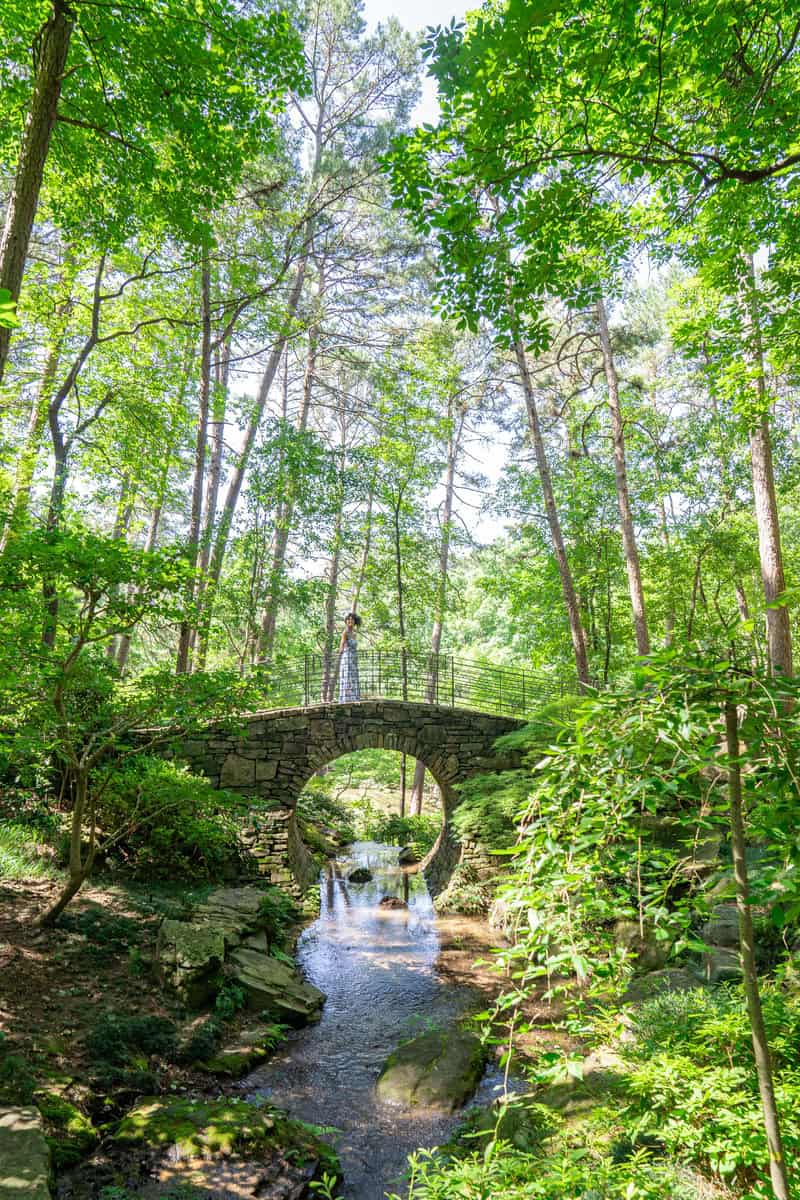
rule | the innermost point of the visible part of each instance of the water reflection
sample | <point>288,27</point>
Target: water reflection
<point>376,966</point>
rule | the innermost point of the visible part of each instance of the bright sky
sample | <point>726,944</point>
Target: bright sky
<point>416,15</point>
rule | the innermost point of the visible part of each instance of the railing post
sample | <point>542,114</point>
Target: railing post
<point>380,690</point>
<point>524,708</point>
<point>500,690</point>
<point>452,682</point>
<point>306,682</point>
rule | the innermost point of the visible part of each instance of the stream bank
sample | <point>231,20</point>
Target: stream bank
<point>386,978</point>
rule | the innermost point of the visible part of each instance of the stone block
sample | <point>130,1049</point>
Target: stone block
<point>237,772</point>
<point>24,1155</point>
<point>265,770</point>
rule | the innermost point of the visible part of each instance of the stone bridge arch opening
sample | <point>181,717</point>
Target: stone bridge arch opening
<point>273,754</point>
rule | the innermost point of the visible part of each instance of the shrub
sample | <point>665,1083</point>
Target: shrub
<point>693,1083</point>
<point>420,832</point>
<point>278,913</point>
<point>109,935</point>
<point>22,854</point>
<point>318,808</point>
<point>118,1040</point>
<point>203,1041</point>
<point>175,823</point>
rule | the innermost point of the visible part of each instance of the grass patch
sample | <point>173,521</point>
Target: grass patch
<point>23,855</point>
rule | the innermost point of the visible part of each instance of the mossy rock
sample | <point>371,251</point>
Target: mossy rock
<point>70,1134</point>
<point>224,1126</point>
<point>523,1123</point>
<point>251,1048</point>
<point>439,1069</point>
<point>273,987</point>
<point>196,1126</point>
<point>24,1155</point>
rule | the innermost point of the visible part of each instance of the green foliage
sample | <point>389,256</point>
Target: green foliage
<point>120,1040</point>
<point>8,310</point>
<point>466,892</point>
<point>489,806</point>
<point>317,807</point>
<point>174,824</point>
<point>278,912</point>
<point>692,1082</point>
<point>504,1172</point>
<point>230,999</point>
<point>109,934</point>
<point>419,831</point>
<point>203,1041</point>
<point>22,855</point>
<point>17,1078</point>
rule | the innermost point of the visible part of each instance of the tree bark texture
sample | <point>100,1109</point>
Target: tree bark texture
<point>630,549</point>
<point>51,56</point>
<point>571,602</point>
<point>182,665</point>
<point>283,524</point>
<point>779,634</point>
<point>777,1162</point>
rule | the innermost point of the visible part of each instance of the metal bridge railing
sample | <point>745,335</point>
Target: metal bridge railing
<point>424,678</point>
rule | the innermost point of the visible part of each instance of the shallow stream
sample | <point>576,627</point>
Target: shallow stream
<point>377,967</point>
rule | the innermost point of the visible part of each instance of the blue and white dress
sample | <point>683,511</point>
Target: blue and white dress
<point>349,688</point>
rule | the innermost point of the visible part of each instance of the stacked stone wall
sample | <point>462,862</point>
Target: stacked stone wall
<point>270,756</point>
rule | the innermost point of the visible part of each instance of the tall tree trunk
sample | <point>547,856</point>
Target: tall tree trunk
<point>217,442</point>
<point>456,426</point>
<point>559,548</point>
<point>151,537</point>
<point>238,474</point>
<point>621,476</point>
<point>26,461</point>
<point>365,549</point>
<point>55,512</point>
<point>777,1162</point>
<point>124,640</point>
<point>122,523</point>
<point>398,569</point>
<point>182,665</point>
<point>283,523</point>
<point>329,675</point>
<point>779,634</point>
<point>51,53</point>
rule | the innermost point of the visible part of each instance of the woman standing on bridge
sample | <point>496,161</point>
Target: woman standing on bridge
<point>349,688</point>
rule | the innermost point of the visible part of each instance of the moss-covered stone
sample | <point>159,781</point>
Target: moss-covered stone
<point>189,960</point>
<point>224,1126</point>
<point>245,1053</point>
<point>24,1155</point>
<point>196,1126</point>
<point>273,987</point>
<point>70,1134</point>
<point>438,1069</point>
<point>522,1122</point>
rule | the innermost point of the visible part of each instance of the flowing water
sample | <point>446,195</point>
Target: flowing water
<point>377,967</point>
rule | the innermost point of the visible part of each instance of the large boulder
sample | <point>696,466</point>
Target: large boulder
<point>439,1069</point>
<point>722,927</point>
<point>24,1155</point>
<point>247,1050</point>
<point>722,964</point>
<point>233,1130</point>
<point>649,952</point>
<point>360,875</point>
<point>235,912</point>
<point>272,987</point>
<point>188,959</point>
<point>657,983</point>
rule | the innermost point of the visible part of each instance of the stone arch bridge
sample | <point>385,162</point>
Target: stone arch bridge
<point>272,755</point>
